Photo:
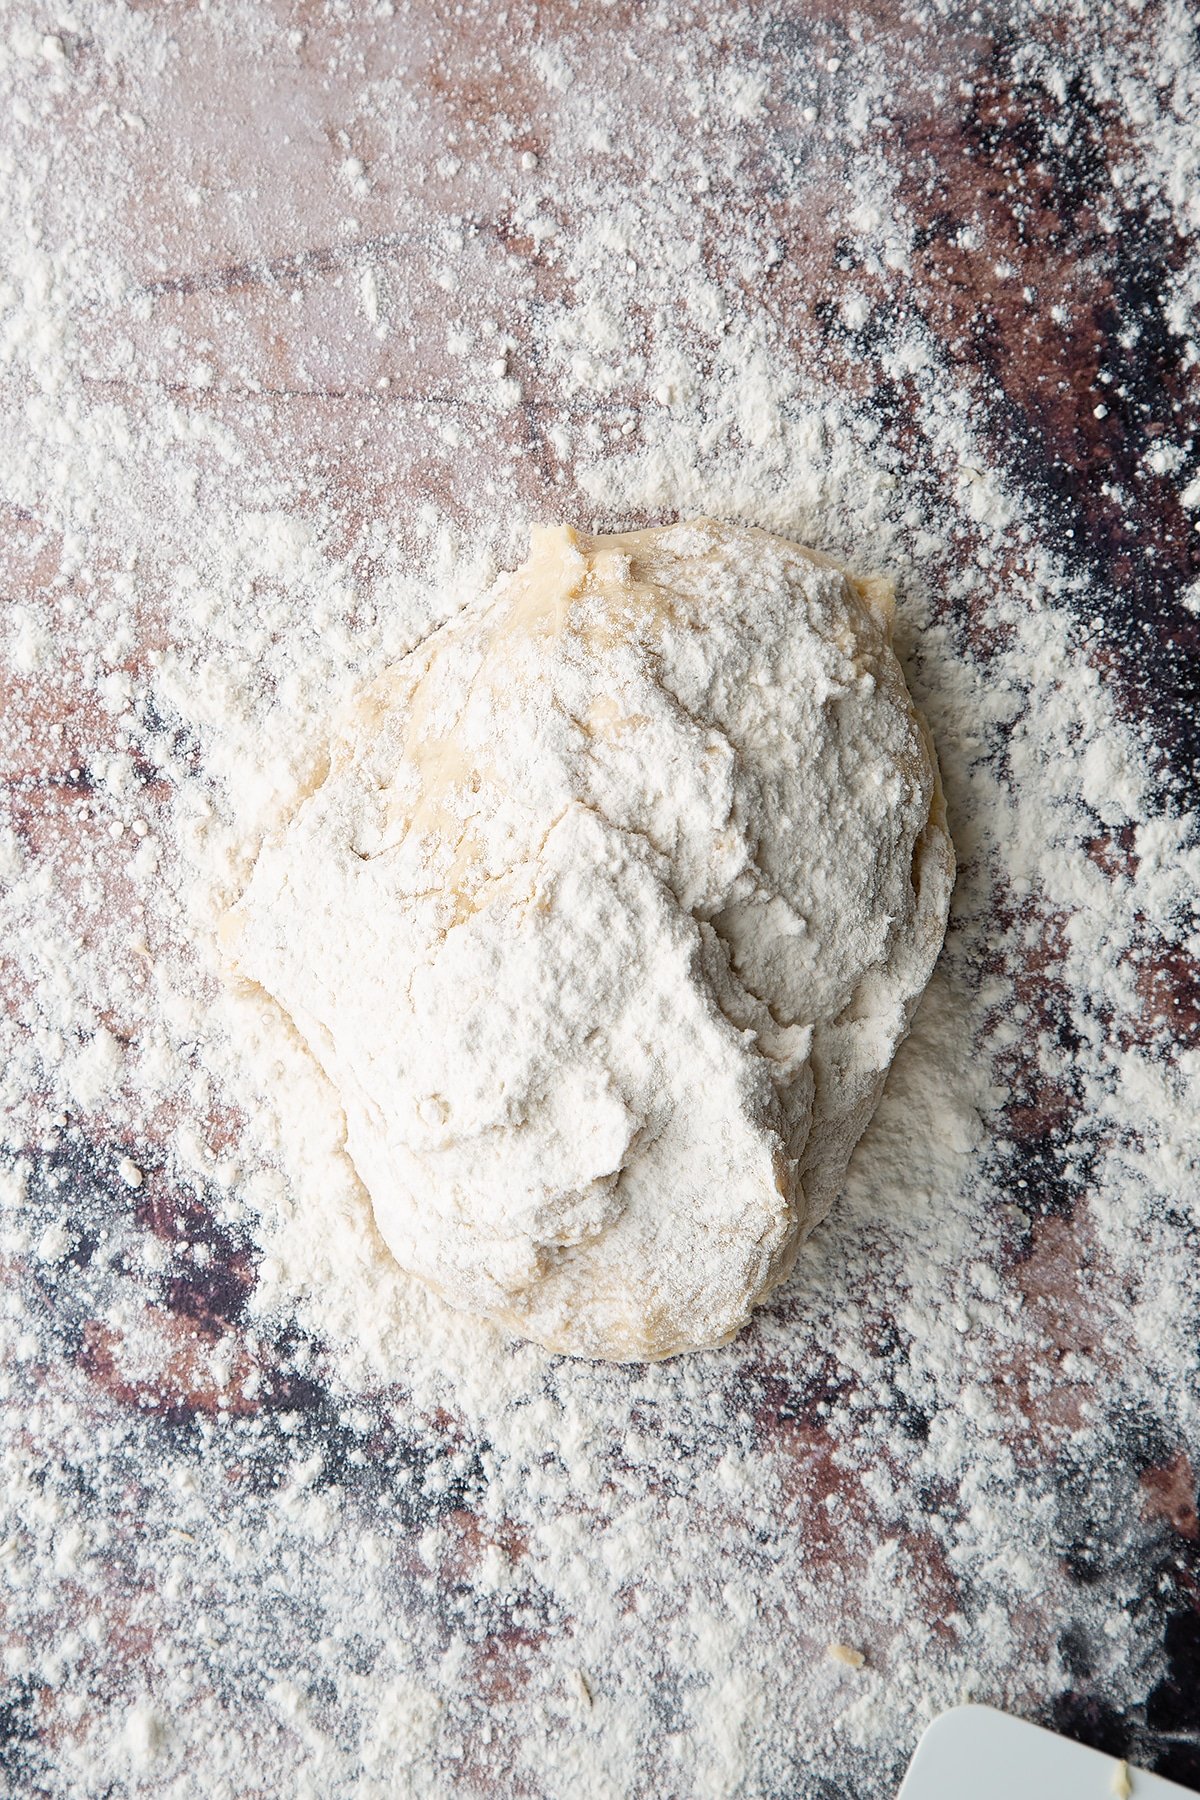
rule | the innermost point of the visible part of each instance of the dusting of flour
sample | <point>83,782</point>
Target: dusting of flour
<point>297,316</point>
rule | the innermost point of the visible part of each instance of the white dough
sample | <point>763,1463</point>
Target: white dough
<point>606,920</point>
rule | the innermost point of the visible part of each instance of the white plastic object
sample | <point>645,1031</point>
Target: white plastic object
<point>977,1753</point>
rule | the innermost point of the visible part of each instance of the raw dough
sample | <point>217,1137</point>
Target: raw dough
<point>605,922</point>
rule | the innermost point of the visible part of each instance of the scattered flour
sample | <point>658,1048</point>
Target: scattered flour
<point>268,1505</point>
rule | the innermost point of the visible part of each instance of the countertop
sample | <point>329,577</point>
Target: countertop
<point>301,310</point>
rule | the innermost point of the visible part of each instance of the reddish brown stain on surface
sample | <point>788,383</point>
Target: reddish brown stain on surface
<point>1169,1493</point>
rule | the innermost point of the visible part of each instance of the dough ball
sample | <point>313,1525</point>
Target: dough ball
<point>605,922</point>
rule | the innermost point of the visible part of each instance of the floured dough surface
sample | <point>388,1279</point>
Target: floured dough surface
<point>605,921</point>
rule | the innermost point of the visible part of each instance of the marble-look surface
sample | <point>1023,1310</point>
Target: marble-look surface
<point>207,151</point>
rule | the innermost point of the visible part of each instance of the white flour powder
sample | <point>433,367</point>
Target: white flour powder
<point>296,317</point>
<point>605,920</point>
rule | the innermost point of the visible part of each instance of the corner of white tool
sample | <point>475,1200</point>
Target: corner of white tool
<point>976,1753</point>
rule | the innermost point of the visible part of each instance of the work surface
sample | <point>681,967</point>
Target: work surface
<point>305,315</point>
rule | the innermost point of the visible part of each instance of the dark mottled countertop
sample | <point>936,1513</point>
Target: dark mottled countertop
<point>920,282</point>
